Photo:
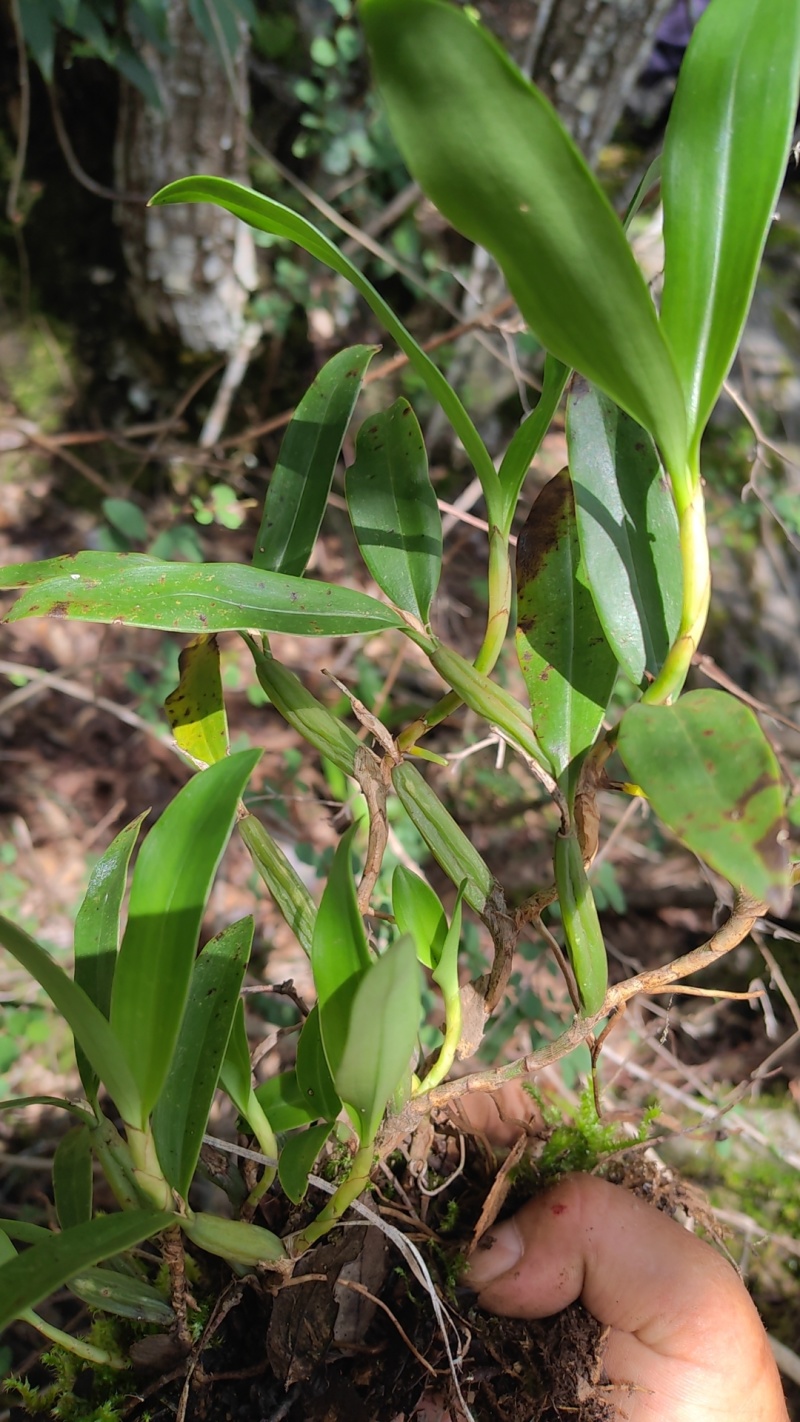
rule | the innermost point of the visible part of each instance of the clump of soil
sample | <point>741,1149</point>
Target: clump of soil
<point>352,1333</point>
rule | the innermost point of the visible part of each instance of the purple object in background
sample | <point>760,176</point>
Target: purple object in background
<point>672,37</point>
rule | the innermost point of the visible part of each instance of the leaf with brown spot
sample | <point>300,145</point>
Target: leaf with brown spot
<point>196,709</point>
<point>568,666</point>
<point>711,775</point>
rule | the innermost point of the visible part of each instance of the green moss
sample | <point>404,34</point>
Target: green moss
<point>40,372</point>
<point>582,1143</point>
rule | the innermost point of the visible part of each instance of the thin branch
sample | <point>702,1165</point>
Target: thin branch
<point>18,169</point>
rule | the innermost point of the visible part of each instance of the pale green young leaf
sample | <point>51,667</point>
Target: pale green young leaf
<point>97,932</point>
<point>171,883</point>
<point>445,972</point>
<point>527,440</point>
<point>301,480</point>
<point>393,509</point>
<point>181,1114</point>
<point>103,1048</point>
<point>381,1035</point>
<point>419,912</point>
<point>725,154</point>
<point>282,1099</point>
<point>488,149</point>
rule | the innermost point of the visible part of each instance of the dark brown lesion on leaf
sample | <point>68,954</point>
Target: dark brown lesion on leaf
<point>771,848</point>
<point>552,512</point>
<point>765,781</point>
<point>59,609</point>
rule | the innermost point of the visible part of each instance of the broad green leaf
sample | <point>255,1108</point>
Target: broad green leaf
<point>205,597</point>
<point>266,215</point>
<point>43,1268</point>
<point>72,1177</point>
<point>97,932</point>
<point>394,511</point>
<point>196,708</point>
<point>524,446</point>
<point>71,565</point>
<point>282,1100</point>
<point>709,772</point>
<point>419,912</point>
<point>301,480</point>
<point>297,1158</point>
<point>628,530</point>
<point>282,880</point>
<point>339,953</point>
<point>445,972</point>
<point>568,666</point>
<point>381,1035</point>
<point>181,1114</point>
<point>171,883</point>
<point>121,1295</point>
<point>101,1045</point>
<point>725,154</point>
<point>313,1073</point>
<point>488,149</point>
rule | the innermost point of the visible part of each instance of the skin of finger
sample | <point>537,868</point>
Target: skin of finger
<point>669,1297</point>
<point>500,1115</point>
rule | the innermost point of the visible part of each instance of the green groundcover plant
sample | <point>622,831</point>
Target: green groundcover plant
<point>612,573</point>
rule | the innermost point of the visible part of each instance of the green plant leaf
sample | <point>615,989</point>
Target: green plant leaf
<point>381,1035</point>
<point>568,666</point>
<point>97,932</point>
<point>266,215</point>
<point>339,953</point>
<point>72,565</point>
<point>711,775</point>
<point>236,1078</point>
<point>628,530</point>
<point>725,154</point>
<point>297,1159</point>
<point>196,708</point>
<point>72,1177</point>
<point>419,912</point>
<point>181,1115</point>
<point>313,1073</point>
<point>171,882</point>
<point>43,1268</point>
<point>301,480</point>
<point>282,880</point>
<point>394,511</point>
<point>488,149</point>
<point>204,597</point>
<point>281,1098</point>
<point>527,440</point>
<point>121,1295</point>
<point>582,931</point>
<point>104,1051</point>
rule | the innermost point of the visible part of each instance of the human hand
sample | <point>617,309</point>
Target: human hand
<point>686,1343</point>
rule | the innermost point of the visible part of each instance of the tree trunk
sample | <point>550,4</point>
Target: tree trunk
<point>191,267</point>
<point>585,55</point>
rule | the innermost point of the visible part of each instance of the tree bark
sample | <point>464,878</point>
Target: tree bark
<point>191,267</point>
<point>585,55</point>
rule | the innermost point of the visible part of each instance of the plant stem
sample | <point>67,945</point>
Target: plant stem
<point>349,1190</point>
<point>267,1144</point>
<point>147,1172</point>
<point>696,593</point>
<point>447,1052</point>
